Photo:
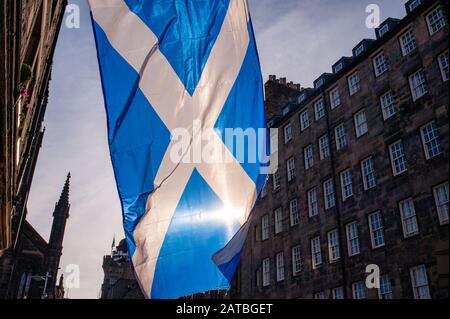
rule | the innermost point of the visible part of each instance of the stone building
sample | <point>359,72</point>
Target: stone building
<point>28,33</point>
<point>119,281</point>
<point>363,175</point>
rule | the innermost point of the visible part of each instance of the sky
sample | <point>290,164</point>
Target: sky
<point>297,39</point>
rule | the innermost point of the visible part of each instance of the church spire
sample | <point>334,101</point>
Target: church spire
<point>64,198</point>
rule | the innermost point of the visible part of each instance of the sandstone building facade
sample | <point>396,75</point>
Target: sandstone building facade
<point>363,175</point>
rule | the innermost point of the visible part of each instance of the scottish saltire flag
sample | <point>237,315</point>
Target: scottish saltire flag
<point>177,76</point>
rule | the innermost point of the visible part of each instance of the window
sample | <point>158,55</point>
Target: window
<point>353,246</point>
<point>296,260</point>
<point>264,191</point>
<point>441,199</point>
<point>266,272</point>
<point>286,110</point>
<point>301,98</point>
<point>443,65</point>
<point>276,180</point>
<point>324,147</point>
<point>368,174</point>
<point>341,139</point>
<point>335,98</point>
<point>380,64</point>
<point>328,190</point>
<point>258,277</point>
<point>431,141</point>
<point>418,84</point>
<point>409,218</point>
<point>383,30</point>
<point>333,246</point>
<point>359,50</point>
<point>320,295</point>
<point>265,227</point>
<point>408,42</point>
<point>388,105</point>
<point>319,109</point>
<point>376,230</point>
<point>361,124</point>
<point>354,83</point>
<point>280,267</point>
<point>419,281</point>
<point>293,210</point>
<point>319,84</point>
<point>278,220</point>
<point>313,205</point>
<point>385,291</point>
<point>304,120</point>
<point>346,184</point>
<point>290,164</point>
<point>398,158</point>
<point>309,157</point>
<point>337,293</point>
<point>316,252</point>
<point>338,67</point>
<point>287,133</point>
<point>414,4</point>
<point>359,290</point>
<point>436,21</point>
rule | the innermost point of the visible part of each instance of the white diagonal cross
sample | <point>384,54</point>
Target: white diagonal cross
<point>177,109</point>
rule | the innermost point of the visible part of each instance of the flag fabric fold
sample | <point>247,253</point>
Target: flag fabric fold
<point>172,69</point>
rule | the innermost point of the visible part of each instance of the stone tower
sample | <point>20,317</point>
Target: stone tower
<point>54,251</point>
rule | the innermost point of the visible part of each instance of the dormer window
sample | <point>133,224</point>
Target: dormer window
<point>319,83</point>
<point>359,50</point>
<point>338,67</point>
<point>383,30</point>
<point>301,98</point>
<point>413,5</point>
<point>286,110</point>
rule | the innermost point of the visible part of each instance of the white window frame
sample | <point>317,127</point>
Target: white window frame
<point>341,140</point>
<point>276,179</point>
<point>334,252</point>
<point>408,42</point>
<point>346,184</point>
<point>319,109</point>
<point>383,30</point>
<point>335,98</point>
<point>305,121</point>
<point>418,84</point>
<point>266,272</point>
<point>324,147</point>
<point>442,202</point>
<point>437,25</point>
<point>444,68</point>
<point>337,292</point>
<point>353,244</point>
<point>388,105</point>
<point>380,64</point>
<point>385,290</point>
<point>280,266</point>
<point>288,134</point>
<point>361,126</point>
<point>431,140</point>
<point>308,154</point>
<point>359,50</point>
<point>408,216</point>
<point>413,5</point>
<point>338,67</point>
<point>290,167</point>
<point>296,260</point>
<point>368,173</point>
<point>359,290</point>
<point>293,212</point>
<point>329,194</point>
<point>313,202</point>
<point>278,217</point>
<point>402,157</point>
<point>354,83</point>
<point>316,252</point>
<point>419,282</point>
<point>265,227</point>
<point>373,230</point>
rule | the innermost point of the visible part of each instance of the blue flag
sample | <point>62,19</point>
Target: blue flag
<point>187,134</point>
